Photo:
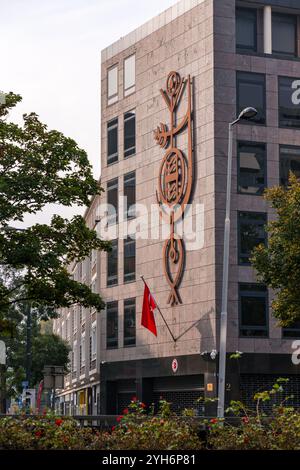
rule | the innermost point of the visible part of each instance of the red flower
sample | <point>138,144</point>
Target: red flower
<point>119,418</point>
<point>246,440</point>
<point>58,421</point>
<point>143,405</point>
<point>245,420</point>
<point>38,434</point>
<point>113,428</point>
<point>126,411</point>
<point>44,412</point>
<point>134,398</point>
<point>214,420</point>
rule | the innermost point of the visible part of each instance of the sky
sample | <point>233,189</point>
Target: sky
<point>50,53</point>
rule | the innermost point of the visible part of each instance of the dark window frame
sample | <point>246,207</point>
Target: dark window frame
<point>114,342</point>
<point>115,279</point>
<point>241,49</point>
<point>252,144</point>
<point>240,256</point>
<point>130,341</point>
<point>129,213</point>
<point>251,122</point>
<point>130,151</point>
<point>295,21</point>
<point>263,294</point>
<point>281,147</point>
<point>111,125</point>
<point>290,329</point>
<point>111,185</point>
<point>280,125</point>
<point>129,277</point>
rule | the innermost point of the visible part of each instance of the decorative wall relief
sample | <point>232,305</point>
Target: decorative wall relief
<point>175,177</point>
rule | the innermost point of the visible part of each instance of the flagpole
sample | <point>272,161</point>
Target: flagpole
<point>173,337</point>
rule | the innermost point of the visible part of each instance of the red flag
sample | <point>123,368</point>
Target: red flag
<point>149,305</point>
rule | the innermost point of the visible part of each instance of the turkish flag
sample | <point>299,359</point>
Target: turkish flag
<point>149,306</point>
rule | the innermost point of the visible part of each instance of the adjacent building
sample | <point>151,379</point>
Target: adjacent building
<point>212,58</point>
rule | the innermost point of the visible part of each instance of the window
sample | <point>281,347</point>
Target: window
<point>252,233</point>
<point>112,141</point>
<point>112,265</point>
<point>94,342</point>
<point>251,168</point>
<point>251,91</point>
<point>129,260</point>
<point>289,113</point>
<point>74,356</point>
<point>112,85</point>
<point>129,75</point>
<point>129,194</point>
<point>289,161</point>
<point>246,30</point>
<point>253,301</point>
<point>112,201</point>
<point>129,134</point>
<point>292,331</point>
<point>82,352</point>
<point>112,325</point>
<point>284,34</point>
<point>129,322</point>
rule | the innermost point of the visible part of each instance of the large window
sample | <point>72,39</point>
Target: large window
<point>292,331</point>
<point>112,85</point>
<point>284,32</point>
<point>129,75</point>
<point>129,322</point>
<point>289,162</point>
<point>129,260</point>
<point>129,133</point>
<point>251,91</point>
<point>112,325</point>
<point>251,233</point>
<point>112,141</point>
<point>112,264</point>
<point>253,301</point>
<point>129,194</point>
<point>251,168</point>
<point>289,113</point>
<point>246,30</point>
<point>112,201</point>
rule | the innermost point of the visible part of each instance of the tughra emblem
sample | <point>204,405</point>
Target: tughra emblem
<point>175,177</point>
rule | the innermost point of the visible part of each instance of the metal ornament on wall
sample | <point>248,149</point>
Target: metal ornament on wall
<point>175,177</point>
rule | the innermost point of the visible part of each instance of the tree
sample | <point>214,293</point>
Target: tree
<point>47,349</point>
<point>278,263</point>
<point>38,167</point>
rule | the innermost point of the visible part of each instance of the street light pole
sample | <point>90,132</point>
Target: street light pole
<point>247,113</point>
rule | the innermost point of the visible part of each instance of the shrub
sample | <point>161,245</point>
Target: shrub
<point>163,430</point>
<point>256,430</point>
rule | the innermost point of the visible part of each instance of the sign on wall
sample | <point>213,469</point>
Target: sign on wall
<point>175,177</point>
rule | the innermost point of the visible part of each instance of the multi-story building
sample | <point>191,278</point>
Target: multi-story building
<point>80,327</point>
<point>230,55</point>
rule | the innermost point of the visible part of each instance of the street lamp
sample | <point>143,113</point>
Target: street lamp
<point>247,113</point>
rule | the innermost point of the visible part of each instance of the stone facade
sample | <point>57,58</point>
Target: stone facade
<point>196,38</point>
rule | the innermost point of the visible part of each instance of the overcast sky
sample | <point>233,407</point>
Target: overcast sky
<point>50,54</point>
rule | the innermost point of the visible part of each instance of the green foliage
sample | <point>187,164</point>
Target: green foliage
<point>47,349</point>
<point>278,263</point>
<point>164,430</point>
<point>254,430</point>
<point>39,167</point>
<point>48,432</point>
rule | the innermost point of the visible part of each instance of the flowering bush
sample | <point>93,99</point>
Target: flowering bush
<point>47,433</point>
<point>138,430</point>
<point>256,430</point>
